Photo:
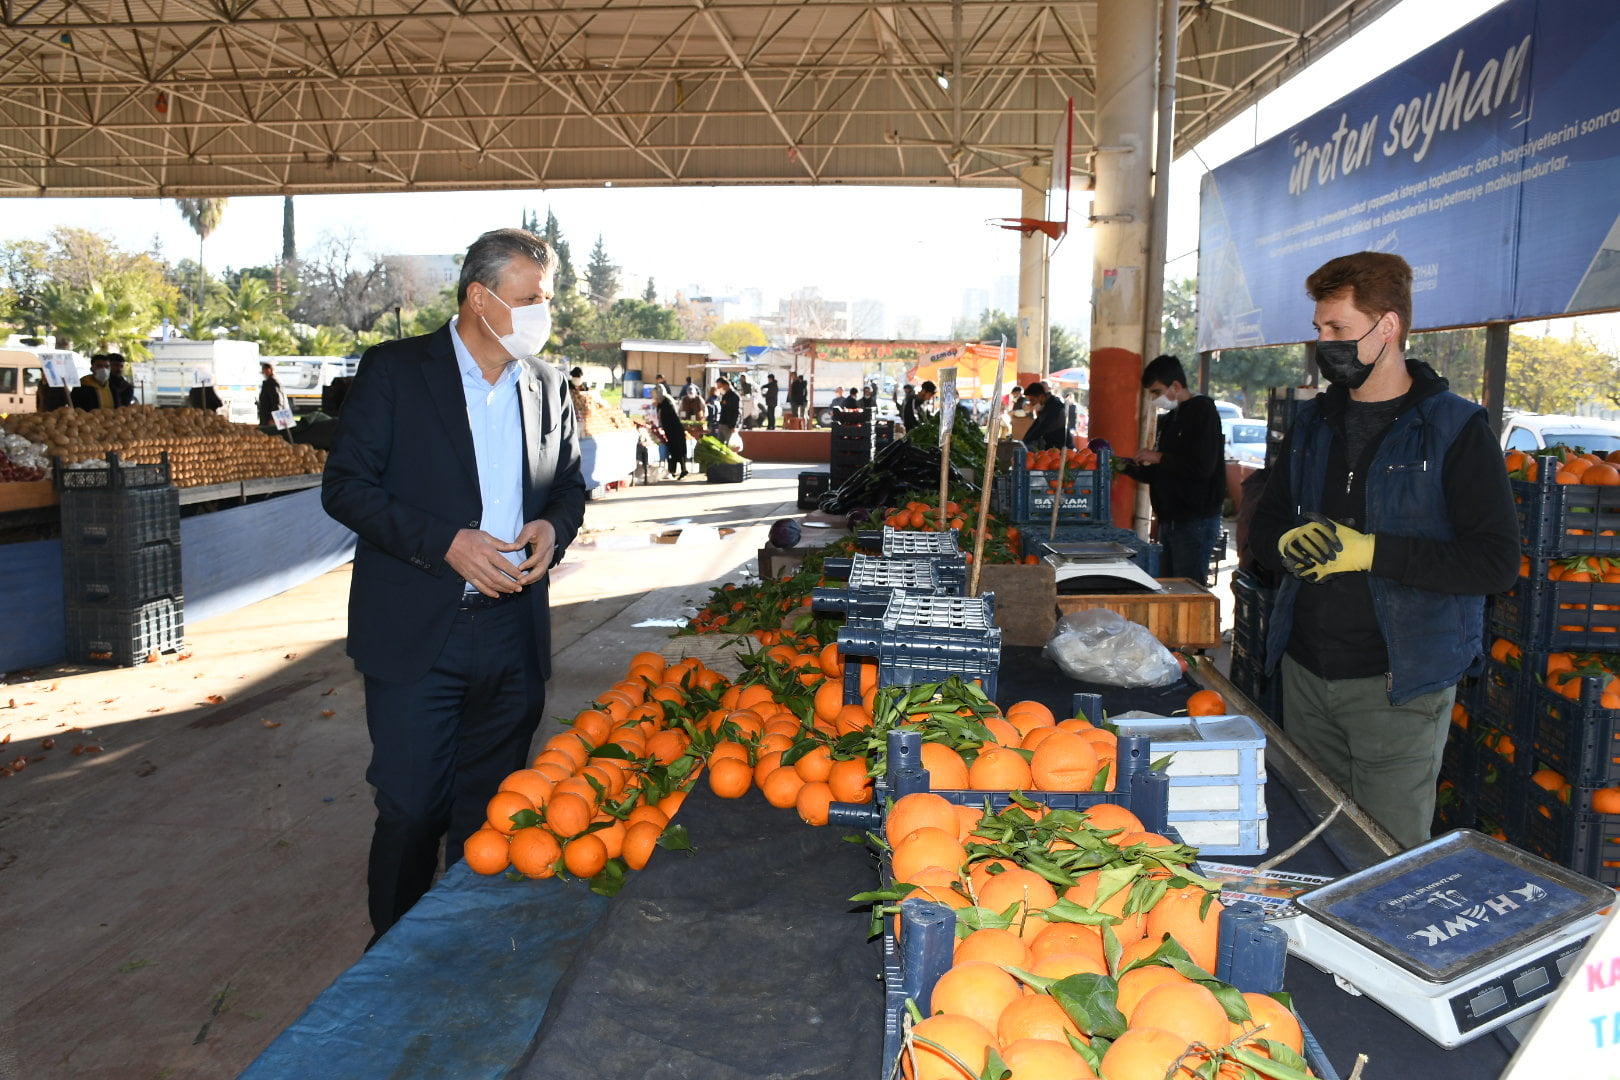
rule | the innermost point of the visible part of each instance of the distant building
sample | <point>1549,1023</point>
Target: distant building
<point>974,303</point>
<point>423,277</point>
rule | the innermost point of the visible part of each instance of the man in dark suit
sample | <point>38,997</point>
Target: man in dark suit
<point>730,408</point>
<point>456,462</point>
<point>773,391</point>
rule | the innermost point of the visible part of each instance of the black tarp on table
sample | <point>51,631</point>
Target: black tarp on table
<point>745,961</point>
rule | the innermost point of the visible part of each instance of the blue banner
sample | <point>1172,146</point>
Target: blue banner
<point>1489,161</point>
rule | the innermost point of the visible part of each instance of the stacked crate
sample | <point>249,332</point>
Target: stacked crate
<point>853,441</point>
<point>1144,553</point>
<point>1281,408</point>
<point>120,561</point>
<point>1251,622</point>
<point>1025,496</point>
<point>1543,738</point>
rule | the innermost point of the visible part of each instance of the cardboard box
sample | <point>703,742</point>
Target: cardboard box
<point>1026,601</point>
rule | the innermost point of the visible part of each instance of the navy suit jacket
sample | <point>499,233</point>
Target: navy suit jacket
<point>402,474</point>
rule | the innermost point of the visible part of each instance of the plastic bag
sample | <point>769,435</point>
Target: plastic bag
<point>1102,646</point>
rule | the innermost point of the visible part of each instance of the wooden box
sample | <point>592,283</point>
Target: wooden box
<point>27,495</point>
<point>1185,616</point>
<point>1024,600</point>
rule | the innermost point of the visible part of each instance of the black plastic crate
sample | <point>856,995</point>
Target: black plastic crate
<point>119,519</point>
<point>1251,612</point>
<point>1594,848</point>
<point>122,579</point>
<point>1281,408</point>
<point>1501,686</point>
<point>728,473</point>
<point>1576,736</point>
<point>885,432</point>
<point>1250,678</point>
<point>1566,519</point>
<point>1544,615</point>
<point>101,635</point>
<point>812,486</point>
<point>113,474</point>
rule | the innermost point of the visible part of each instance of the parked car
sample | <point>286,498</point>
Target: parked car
<point>1228,410</point>
<point>1534,431</point>
<point>1245,441</point>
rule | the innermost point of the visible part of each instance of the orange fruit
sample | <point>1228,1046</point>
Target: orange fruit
<point>993,946</point>
<point>946,769</point>
<point>667,745</point>
<point>1036,1016</point>
<point>1064,762</point>
<point>967,819</point>
<point>1061,937</point>
<point>1606,800</point>
<point>487,851</point>
<point>1135,984</point>
<point>1062,965</point>
<point>1002,732</point>
<point>998,768</point>
<point>927,847</point>
<point>755,694</point>
<point>585,856</point>
<point>655,659</point>
<point>769,761</point>
<point>1206,703</point>
<point>1178,914</point>
<point>918,810</point>
<point>814,765</point>
<point>812,802</point>
<point>578,785</point>
<point>1274,1020</point>
<point>1107,817</point>
<point>568,814</point>
<point>593,726</point>
<point>848,780</point>
<point>728,749</point>
<point>672,802</point>
<point>831,664</point>
<point>1045,1059</point>
<point>977,990</point>
<point>1038,735</point>
<point>1084,893</point>
<point>639,841</point>
<point>1188,1010</point>
<point>1017,886</point>
<point>729,777</point>
<point>571,746</point>
<point>781,787</point>
<point>1146,1053</point>
<point>534,853</point>
<point>612,836</point>
<point>829,699</point>
<point>852,718</point>
<point>531,784</point>
<point>1028,715</point>
<point>502,806</point>
<point>940,1041</point>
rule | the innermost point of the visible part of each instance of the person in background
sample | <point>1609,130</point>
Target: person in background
<point>98,382</point>
<point>272,399</point>
<point>772,389</point>
<point>691,404</point>
<point>1186,471</point>
<point>730,407</point>
<point>576,378</point>
<point>711,410</point>
<point>1050,428</point>
<point>868,397</point>
<point>1391,517</point>
<point>669,425</point>
<point>799,396</point>
<point>123,391</point>
<point>747,409</point>
<point>909,417</point>
<point>660,384</point>
<point>457,465</point>
<point>851,400</point>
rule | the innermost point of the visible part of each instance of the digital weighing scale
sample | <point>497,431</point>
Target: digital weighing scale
<point>1097,558</point>
<point>1456,937</point>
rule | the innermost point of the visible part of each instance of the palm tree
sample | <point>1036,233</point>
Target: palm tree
<point>203,215</point>
<point>96,318</point>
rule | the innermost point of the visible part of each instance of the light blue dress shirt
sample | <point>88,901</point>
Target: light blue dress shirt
<point>497,431</point>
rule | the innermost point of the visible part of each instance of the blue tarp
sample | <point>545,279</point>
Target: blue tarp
<point>228,559</point>
<point>456,990</point>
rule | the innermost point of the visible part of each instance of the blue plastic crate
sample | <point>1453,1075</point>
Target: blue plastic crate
<point>97,634</point>
<point>904,543</point>
<point>1566,519</point>
<point>1217,774</point>
<point>1576,736</point>
<point>1145,554</point>
<point>1543,615</point>
<point>1025,495</point>
<point>121,579</point>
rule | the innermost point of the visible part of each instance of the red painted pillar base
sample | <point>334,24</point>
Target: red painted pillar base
<point>1116,393</point>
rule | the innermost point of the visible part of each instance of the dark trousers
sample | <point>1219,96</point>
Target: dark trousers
<point>1186,547</point>
<point>440,746</point>
<point>770,417</point>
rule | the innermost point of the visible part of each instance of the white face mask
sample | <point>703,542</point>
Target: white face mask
<point>531,329</point>
<point>100,373</point>
<point>1164,401</point>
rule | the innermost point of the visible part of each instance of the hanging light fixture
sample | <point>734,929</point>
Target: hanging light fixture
<point>941,78</point>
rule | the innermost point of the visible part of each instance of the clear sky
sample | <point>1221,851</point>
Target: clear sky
<point>916,250</point>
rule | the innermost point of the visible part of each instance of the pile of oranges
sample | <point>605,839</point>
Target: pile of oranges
<point>1574,466</point>
<point>1097,963</point>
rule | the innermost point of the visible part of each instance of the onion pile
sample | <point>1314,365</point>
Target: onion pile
<point>203,447</point>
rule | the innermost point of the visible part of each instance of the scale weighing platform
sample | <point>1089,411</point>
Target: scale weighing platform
<point>1097,558</point>
<point>1457,937</point>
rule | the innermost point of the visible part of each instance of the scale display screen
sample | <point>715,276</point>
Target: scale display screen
<point>1455,903</point>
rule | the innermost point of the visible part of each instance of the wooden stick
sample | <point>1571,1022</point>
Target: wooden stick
<point>1057,497</point>
<point>989,472</point>
<point>944,477</point>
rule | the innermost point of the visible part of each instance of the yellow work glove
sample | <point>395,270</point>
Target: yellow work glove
<point>1307,545</point>
<point>1355,552</point>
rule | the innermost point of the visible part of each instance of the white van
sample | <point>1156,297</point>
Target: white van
<point>1532,431</point>
<point>20,377</point>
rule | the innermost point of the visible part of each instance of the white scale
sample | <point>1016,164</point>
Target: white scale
<point>1097,558</point>
<point>1456,937</point>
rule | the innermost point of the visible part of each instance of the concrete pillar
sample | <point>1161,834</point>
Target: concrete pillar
<point>1493,389</point>
<point>1033,336</point>
<point>1127,56</point>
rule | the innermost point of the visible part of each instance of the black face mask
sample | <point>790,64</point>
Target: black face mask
<point>1340,362</point>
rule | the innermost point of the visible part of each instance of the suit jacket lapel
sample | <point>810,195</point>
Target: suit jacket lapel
<point>443,377</point>
<point>535,412</point>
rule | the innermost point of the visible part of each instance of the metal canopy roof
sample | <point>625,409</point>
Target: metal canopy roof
<point>259,97</point>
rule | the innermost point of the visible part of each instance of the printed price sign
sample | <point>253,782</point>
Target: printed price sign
<point>202,375</point>
<point>1579,1028</point>
<point>59,369</point>
<point>283,418</point>
<point>947,399</point>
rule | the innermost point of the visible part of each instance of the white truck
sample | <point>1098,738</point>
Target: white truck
<point>303,378</point>
<point>230,367</point>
